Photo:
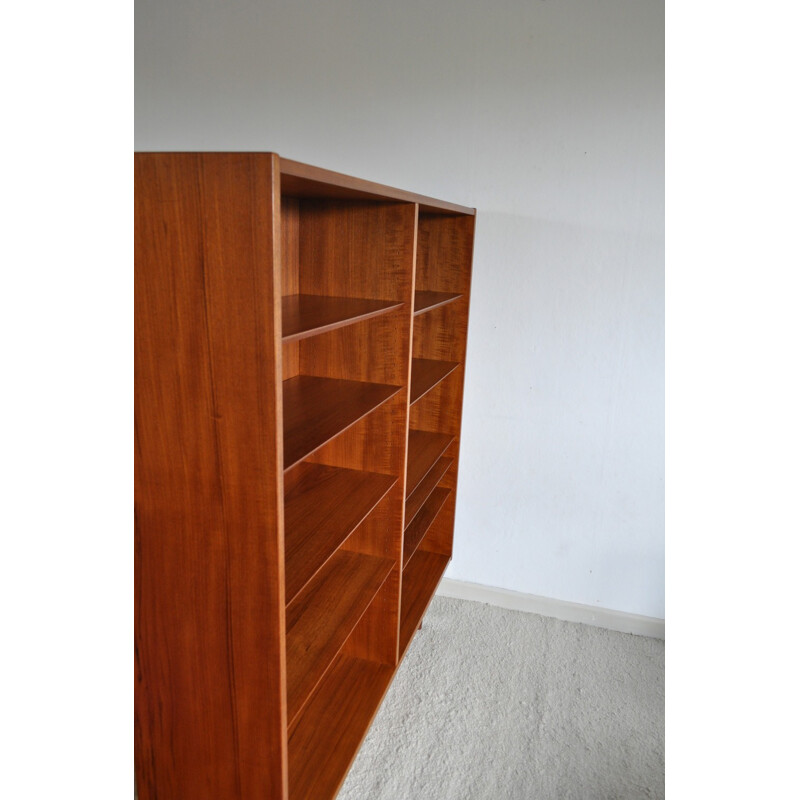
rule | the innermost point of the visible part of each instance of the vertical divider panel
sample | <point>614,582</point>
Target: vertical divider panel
<point>210,683</point>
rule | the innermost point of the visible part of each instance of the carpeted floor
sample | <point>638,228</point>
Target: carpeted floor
<point>491,704</point>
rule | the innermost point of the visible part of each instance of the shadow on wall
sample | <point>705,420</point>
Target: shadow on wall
<point>563,434</point>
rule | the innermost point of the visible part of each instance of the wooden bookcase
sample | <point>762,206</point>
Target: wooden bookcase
<point>300,347</point>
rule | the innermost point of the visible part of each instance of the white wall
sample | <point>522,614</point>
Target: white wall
<point>547,116</point>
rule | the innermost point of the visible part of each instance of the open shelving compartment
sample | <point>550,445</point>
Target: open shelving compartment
<point>347,278</point>
<point>439,341</point>
<point>334,316</point>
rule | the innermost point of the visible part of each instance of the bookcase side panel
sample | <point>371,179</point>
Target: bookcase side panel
<point>210,701</point>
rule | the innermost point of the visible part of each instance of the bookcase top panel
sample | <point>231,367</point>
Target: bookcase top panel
<point>302,180</point>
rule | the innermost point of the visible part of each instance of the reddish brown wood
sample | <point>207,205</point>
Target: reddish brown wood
<point>290,246</point>
<point>424,450</point>
<point>322,509</point>
<point>325,738</point>
<point>420,579</point>
<point>418,497</point>
<point>367,250</point>
<point>307,314</point>
<point>418,527</point>
<point>444,253</point>
<point>250,404</point>
<point>322,616</point>
<point>425,301</point>
<point>303,180</point>
<point>357,249</point>
<point>439,536</point>
<point>209,604</point>
<point>444,264</point>
<point>426,373</point>
<point>290,274</point>
<point>317,409</point>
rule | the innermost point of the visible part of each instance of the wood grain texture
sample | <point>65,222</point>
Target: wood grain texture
<point>210,714</point>
<point>420,579</point>
<point>418,497</point>
<point>418,527</point>
<point>290,246</point>
<point>440,408</point>
<point>441,333</point>
<point>377,634</point>
<point>369,350</point>
<point>318,409</point>
<point>290,274</point>
<point>322,616</point>
<point>426,373</point>
<point>324,740</point>
<point>444,264</point>
<point>303,180</point>
<point>424,450</point>
<point>323,508</point>
<point>275,465</point>
<point>425,301</point>
<point>367,250</point>
<point>307,314</point>
<point>357,249</point>
<point>444,253</point>
<point>439,536</point>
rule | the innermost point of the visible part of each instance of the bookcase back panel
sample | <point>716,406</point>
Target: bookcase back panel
<point>444,253</point>
<point>369,444</point>
<point>440,409</point>
<point>375,350</point>
<point>439,537</point>
<point>357,249</point>
<point>290,246</point>
<point>441,333</point>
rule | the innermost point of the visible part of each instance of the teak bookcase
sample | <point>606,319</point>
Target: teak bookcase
<point>300,346</point>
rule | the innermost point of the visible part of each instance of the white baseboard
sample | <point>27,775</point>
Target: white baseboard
<point>560,609</point>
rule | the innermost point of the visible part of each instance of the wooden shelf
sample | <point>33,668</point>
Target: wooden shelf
<point>317,521</point>
<point>424,450</point>
<point>302,180</point>
<point>317,409</point>
<point>418,497</point>
<point>308,314</point>
<point>420,579</point>
<point>416,531</point>
<point>324,741</point>
<point>426,373</point>
<point>322,616</point>
<point>425,301</point>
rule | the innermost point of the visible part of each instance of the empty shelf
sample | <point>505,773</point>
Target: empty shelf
<point>416,531</point>
<point>317,519</point>
<point>309,314</point>
<point>326,738</point>
<point>323,615</point>
<point>425,301</point>
<point>420,580</point>
<point>418,497</point>
<point>317,409</point>
<point>426,373</point>
<point>424,450</point>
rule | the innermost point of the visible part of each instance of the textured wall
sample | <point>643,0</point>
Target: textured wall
<point>549,118</point>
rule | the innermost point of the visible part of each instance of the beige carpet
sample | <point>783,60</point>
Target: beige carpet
<point>491,704</point>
